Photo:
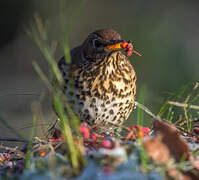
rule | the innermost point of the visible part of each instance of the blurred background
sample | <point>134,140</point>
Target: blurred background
<point>165,32</point>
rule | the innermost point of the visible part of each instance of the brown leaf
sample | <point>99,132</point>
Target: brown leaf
<point>167,142</point>
<point>157,150</point>
<point>171,138</point>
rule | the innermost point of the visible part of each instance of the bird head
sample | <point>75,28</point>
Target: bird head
<point>101,43</point>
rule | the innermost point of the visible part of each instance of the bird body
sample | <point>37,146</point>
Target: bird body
<point>100,84</point>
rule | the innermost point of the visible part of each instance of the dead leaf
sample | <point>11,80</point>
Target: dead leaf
<point>157,150</point>
<point>166,144</point>
<point>171,138</point>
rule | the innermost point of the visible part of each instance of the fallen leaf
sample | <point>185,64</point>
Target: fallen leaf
<point>166,144</point>
<point>158,151</point>
<point>170,137</point>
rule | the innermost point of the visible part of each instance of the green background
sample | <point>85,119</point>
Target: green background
<point>165,32</point>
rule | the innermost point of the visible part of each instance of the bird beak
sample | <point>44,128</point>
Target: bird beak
<point>122,45</point>
<point>116,46</point>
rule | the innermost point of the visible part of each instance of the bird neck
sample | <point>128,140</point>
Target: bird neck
<point>111,75</point>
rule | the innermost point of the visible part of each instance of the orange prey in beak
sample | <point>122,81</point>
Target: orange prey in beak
<point>123,45</point>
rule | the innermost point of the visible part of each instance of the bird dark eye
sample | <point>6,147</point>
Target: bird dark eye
<point>97,43</point>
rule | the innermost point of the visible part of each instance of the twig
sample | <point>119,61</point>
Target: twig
<point>30,126</point>
<point>186,101</point>
<point>145,109</point>
<point>183,122</point>
<point>183,105</point>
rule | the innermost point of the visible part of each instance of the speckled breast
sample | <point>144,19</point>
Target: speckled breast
<point>103,93</point>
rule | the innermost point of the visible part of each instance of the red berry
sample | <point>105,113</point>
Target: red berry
<point>107,144</point>
<point>196,130</point>
<point>85,131</point>
<point>124,45</point>
<point>145,129</point>
<point>93,137</point>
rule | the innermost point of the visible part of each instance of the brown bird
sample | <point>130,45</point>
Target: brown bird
<point>100,82</point>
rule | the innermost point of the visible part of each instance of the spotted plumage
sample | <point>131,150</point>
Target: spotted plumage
<point>100,82</point>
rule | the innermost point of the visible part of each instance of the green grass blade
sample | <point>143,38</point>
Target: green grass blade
<point>33,132</point>
<point>140,114</point>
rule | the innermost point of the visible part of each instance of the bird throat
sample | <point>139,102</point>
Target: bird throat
<point>112,76</point>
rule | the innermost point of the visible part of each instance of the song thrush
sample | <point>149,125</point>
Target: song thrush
<point>100,82</point>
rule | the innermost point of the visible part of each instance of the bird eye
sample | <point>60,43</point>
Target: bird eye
<point>97,43</point>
